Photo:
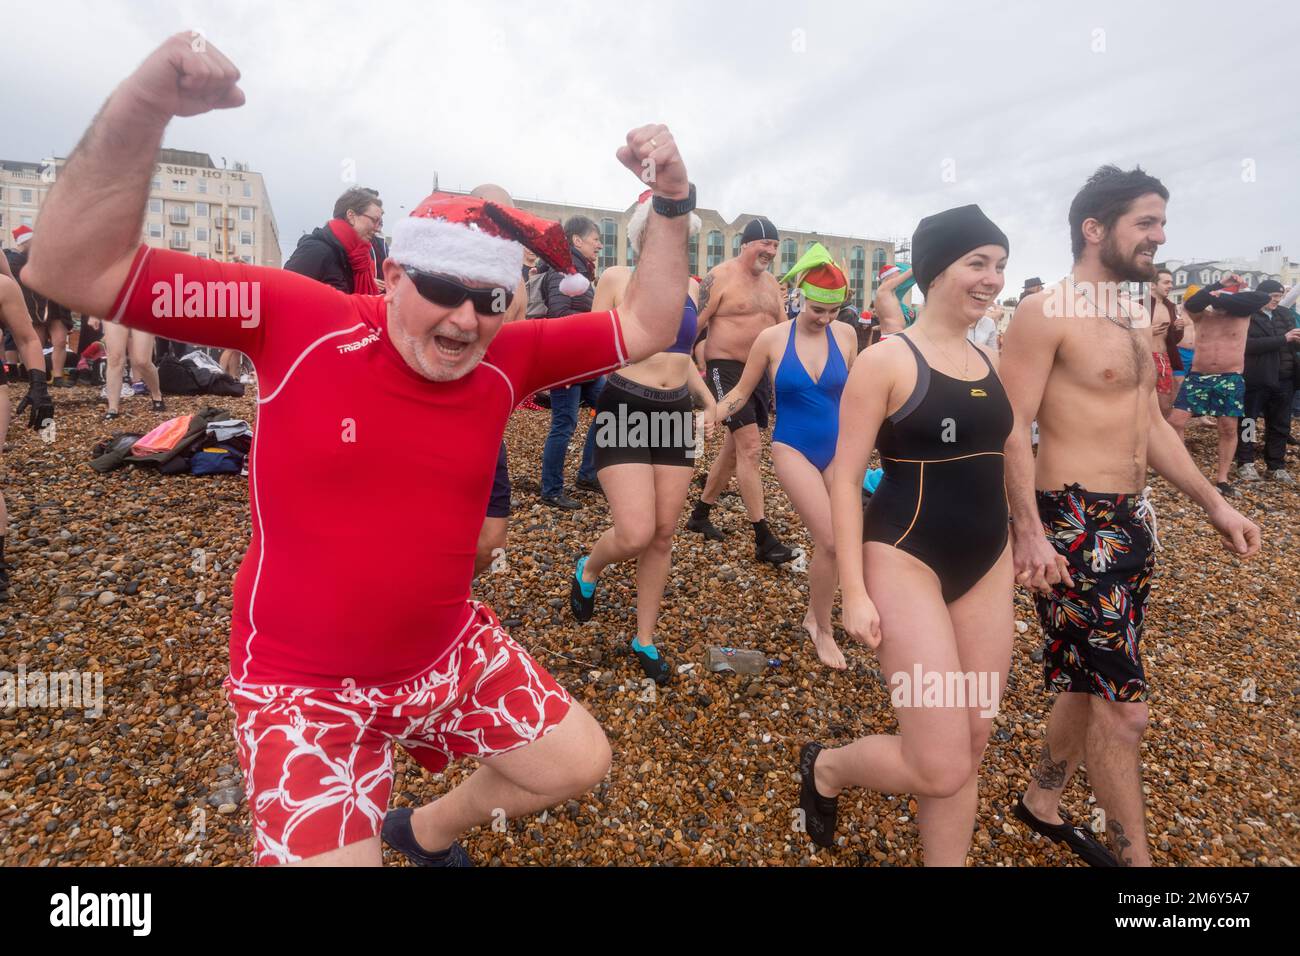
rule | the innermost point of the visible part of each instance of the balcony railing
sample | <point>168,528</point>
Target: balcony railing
<point>178,217</point>
<point>177,243</point>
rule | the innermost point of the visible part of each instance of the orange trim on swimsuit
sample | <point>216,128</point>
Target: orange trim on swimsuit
<point>920,493</point>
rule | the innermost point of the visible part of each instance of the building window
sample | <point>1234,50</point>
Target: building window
<point>180,185</point>
<point>25,220</point>
<point>245,238</point>
<point>201,233</point>
<point>156,185</point>
<point>789,255</point>
<point>25,196</point>
<point>245,213</point>
<point>631,256</point>
<point>1205,277</point>
<point>608,244</point>
<point>857,275</point>
<point>877,262</point>
<point>714,250</point>
<point>807,246</point>
<point>203,186</point>
<point>1181,279</point>
<point>248,190</point>
<point>201,210</point>
<point>735,245</point>
<point>693,255</point>
<point>155,206</point>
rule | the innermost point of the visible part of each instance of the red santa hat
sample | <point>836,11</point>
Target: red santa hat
<point>887,270</point>
<point>22,234</point>
<point>475,240</point>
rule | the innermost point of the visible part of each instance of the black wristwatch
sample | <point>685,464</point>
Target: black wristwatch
<point>675,207</point>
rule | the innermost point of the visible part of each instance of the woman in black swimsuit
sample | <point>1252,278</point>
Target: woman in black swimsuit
<point>931,586</point>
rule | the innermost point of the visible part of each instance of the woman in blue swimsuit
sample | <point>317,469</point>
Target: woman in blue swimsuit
<point>809,359</point>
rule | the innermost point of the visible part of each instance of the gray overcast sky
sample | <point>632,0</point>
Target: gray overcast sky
<point>842,117</point>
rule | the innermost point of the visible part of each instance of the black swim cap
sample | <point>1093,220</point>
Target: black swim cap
<point>942,239</point>
<point>760,228</point>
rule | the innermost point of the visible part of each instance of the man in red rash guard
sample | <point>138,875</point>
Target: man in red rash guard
<point>380,419</point>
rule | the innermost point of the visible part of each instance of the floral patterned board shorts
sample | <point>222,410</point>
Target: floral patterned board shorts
<point>1092,630</point>
<point>1221,394</point>
<point>318,764</point>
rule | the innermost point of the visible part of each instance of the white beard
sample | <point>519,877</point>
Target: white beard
<point>416,348</point>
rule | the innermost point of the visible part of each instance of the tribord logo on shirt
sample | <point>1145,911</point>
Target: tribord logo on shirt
<point>370,339</point>
<point>209,300</point>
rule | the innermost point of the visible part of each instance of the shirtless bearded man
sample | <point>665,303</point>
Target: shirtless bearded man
<point>1214,385</point>
<point>1077,358</point>
<point>739,298</point>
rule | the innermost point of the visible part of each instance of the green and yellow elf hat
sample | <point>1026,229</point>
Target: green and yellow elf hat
<point>818,277</point>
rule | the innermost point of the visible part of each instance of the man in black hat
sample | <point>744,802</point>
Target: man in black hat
<point>740,298</point>
<point>1272,341</point>
<point>1032,286</point>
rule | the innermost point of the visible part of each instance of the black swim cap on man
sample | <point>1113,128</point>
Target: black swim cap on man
<point>756,229</point>
<point>942,239</point>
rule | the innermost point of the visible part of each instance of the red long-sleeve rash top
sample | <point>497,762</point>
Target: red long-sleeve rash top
<point>367,482</point>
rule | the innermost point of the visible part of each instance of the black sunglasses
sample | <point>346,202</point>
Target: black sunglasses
<point>449,293</point>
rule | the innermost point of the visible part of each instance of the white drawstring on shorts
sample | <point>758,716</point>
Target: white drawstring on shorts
<point>1146,513</point>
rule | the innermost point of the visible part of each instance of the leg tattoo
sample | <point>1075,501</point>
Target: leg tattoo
<point>1049,775</point>
<point>1118,841</point>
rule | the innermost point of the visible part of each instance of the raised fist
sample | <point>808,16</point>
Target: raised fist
<point>651,154</point>
<point>186,76</point>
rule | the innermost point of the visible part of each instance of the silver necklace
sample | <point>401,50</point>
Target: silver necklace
<point>1106,315</point>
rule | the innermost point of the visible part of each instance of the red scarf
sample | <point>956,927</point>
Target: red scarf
<point>360,256</point>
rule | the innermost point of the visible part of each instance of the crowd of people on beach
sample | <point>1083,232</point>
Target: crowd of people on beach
<point>1009,455</point>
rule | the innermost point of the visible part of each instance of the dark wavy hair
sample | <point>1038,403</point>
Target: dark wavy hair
<point>1107,195</point>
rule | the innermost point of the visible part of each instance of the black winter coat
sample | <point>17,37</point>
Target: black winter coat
<point>321,256</point>
<point>557,303</point>
<point>1270,358</point>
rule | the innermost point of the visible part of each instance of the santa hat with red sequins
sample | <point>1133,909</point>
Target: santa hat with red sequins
<point>475,240</point>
